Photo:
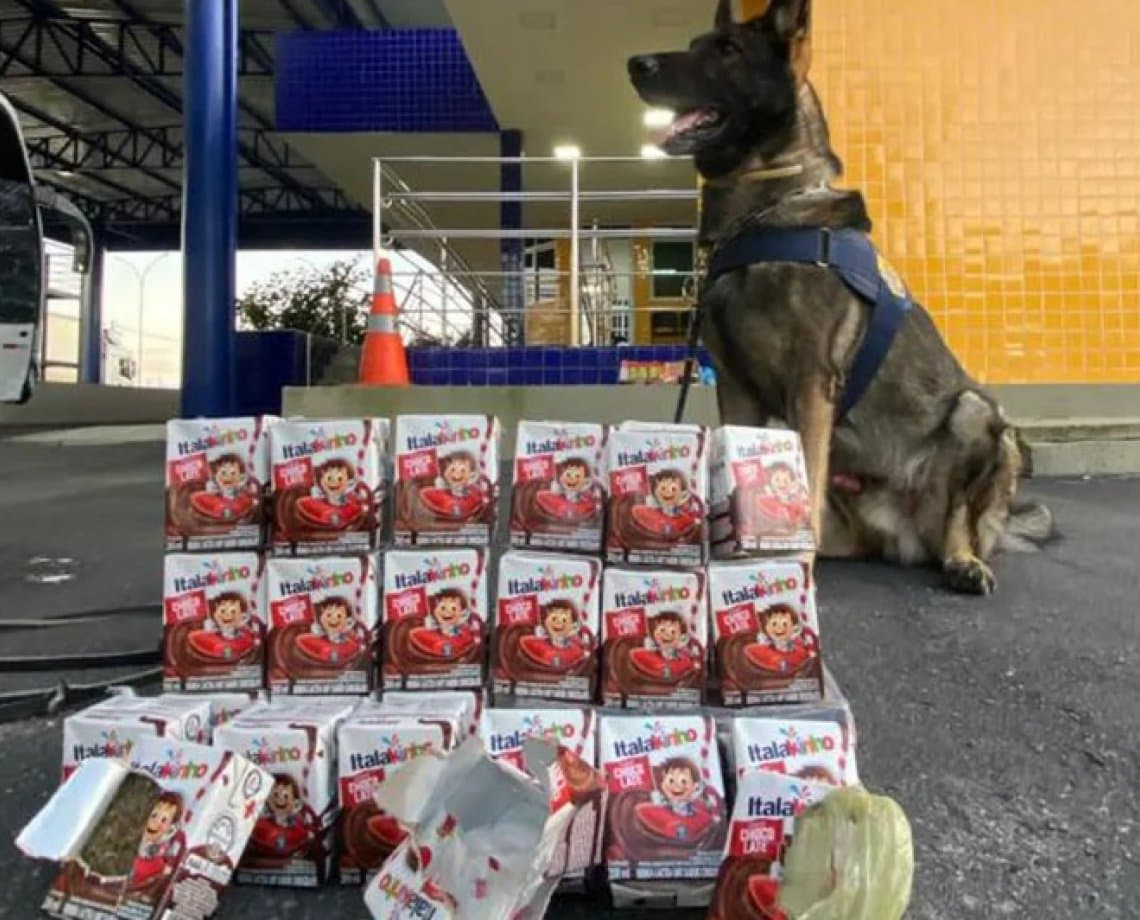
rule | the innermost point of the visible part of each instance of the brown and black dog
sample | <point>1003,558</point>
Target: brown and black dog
<point>925,466</point>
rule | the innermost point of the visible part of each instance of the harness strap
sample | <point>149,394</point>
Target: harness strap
<point>852,256</point>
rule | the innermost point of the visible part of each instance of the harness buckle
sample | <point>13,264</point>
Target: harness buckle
<point>824,259</point>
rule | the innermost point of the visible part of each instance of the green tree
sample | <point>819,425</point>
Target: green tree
<point>331,302</point>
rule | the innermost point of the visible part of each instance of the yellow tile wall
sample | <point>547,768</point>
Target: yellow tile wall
<point>998,145</point>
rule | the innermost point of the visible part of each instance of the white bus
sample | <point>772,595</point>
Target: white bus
<point>21,264</point>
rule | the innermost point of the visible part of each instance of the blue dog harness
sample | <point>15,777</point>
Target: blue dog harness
<point>853,257</point>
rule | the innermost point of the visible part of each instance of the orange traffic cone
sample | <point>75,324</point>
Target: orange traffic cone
<point>383,362</point>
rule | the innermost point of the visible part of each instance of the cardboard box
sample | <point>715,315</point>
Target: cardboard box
<point>435,619</point>
<point>654,637</point>
<point>759,493</point>
<point>216,476</point>
<point>191,810</point>
<point>373,744</point>
<point>213,622</point>
<point>447,480</point>
<point>323,625</point>
<point>463,708</point>
<point>328,485</point>
<point>765,632</point>
<point>115,726</point>
<point>656,495</point>
<point>545,638</point>
<point>557,501</point>
<point>294,740</point>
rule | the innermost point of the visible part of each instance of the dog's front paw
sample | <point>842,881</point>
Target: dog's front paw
<point>967,574</point>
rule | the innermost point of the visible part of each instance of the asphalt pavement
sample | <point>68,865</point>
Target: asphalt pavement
<point>1007,727</point>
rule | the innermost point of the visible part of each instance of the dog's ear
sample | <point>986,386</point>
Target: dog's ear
<point>792,21</point>
<point>740,11</point>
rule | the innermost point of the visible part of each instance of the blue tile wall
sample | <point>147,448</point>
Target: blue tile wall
<point>532,365</point>
<point>393,80</point>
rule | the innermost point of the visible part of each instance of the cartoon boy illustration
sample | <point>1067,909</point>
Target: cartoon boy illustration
<point>783,499</point>
<point>558,640</point>
<point>332,635</point>
<point>227,476</point>
<point>676,809</point>
<point>666,512</point>
<point>447,631</point>
<point>779,646</point>
<point>571,495</point>
<point>227,495</point>
<point>665,653</point>
<point>227,632</point>
<point>457,493</point>
<point>332,500</point>
<point>334,481</point>
<point>161,844</point>
<point>281,827</point>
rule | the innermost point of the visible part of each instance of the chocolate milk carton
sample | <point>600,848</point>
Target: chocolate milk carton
<point>461,708</point>
<point>447,479</point>
<point>216,475</point>
<point>323,615</point>
<point>654,636</point>
<point>666,814</point>
<point>505,732</point>
<point>765,632</point>
<point>435,619</point>
<point>328,486</point>
<point>556,495</point>
<point>759,492</point>
<point>294,740</point>
<point>763,822</point>
<point>546,626</point>
<point>114,726</point>
<point>657,489</point>
<point>800,748</point>
<point>213,622</point>
<point>191,808</point>
<point>372,745</point>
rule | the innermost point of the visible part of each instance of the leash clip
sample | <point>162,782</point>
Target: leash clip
<point>824,260</point>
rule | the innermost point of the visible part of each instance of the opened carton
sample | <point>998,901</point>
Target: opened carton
<point>373,744</point>
<point>486,840</point>
<point>156,834</point>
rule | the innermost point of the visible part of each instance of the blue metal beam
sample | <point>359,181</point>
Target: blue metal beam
<point>91,359</point>
<point>209,211</point>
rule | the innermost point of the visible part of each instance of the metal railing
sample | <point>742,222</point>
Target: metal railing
<point>471,294</point>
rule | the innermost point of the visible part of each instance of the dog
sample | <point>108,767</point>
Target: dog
<point>925,466</point>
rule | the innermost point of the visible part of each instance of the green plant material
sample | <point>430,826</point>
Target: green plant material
<point>331,302</point>
<point>110,850</point>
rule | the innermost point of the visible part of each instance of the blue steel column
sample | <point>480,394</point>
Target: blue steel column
<point>91,360</point>
<point>209,207</point>
<point>510,218</point>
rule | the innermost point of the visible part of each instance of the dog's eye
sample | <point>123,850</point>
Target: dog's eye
<point>729,47</point>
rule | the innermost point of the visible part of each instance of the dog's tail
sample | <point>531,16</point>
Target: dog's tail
<point>1030,527</point>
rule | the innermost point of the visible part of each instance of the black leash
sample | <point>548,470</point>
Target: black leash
<point>690,358</point>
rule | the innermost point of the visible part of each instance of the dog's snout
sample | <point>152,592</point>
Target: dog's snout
<point>644,65</point>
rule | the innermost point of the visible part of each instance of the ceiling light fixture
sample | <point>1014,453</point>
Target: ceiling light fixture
<point>658,118</point>
<point>649,152</point>
<point>567,152</point>
<point>65,173</point>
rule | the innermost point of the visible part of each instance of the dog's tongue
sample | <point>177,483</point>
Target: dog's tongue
<point>683,123</point>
